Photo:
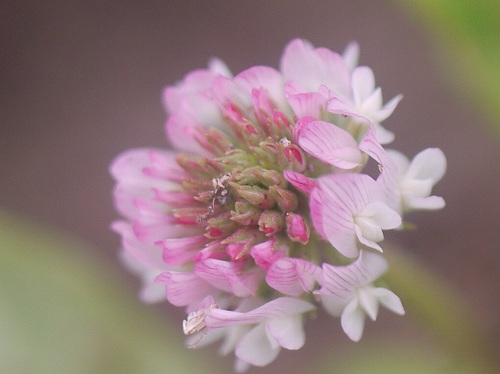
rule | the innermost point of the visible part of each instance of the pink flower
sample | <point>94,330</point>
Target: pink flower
<point>267,176</point>
<point>352,213</point>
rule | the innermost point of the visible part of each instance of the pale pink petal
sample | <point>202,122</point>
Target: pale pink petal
<point>179,251</point>
<point>268,252</point>
<point>182,130</point>
<point>184,289</point>
<point>388,178</point>
<point>229,276</point>
<point>328,143</point>
<point>303,104</point>
<point>277,308</point>
<point>288,332</point>
<point>316,208</point>
<point>312,68</point>
<point>264,77</point>
<point>353,321</point>
<point>219,67</point>
<point>147,255</point>
<point>293,276</point>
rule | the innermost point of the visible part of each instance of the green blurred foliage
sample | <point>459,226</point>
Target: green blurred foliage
<point>64,312</point>
<point>468,41</point>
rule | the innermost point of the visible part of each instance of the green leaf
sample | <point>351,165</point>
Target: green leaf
<point>467,35</point>
<point>62,311</point>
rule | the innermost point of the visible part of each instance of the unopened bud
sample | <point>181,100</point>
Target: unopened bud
<point>286,200</point>
<point>271,222</point>
<point>245,213</point>
<point>255,195</point>
<point>297,229</point>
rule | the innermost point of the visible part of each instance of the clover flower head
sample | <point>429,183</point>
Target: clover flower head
<point>265,189</point>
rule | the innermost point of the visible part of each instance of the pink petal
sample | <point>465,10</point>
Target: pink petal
<point>229,276</point>
<point>299,181</point>
<point>263,77</point>
<point>179,251</point>
<point>268,252</point>
<point>303,104</point>
<point>277,308</point>
<point>293,276</point>
<point>388,178</point>
<point>328,143</point>
<point>181,129</point>
<point>311,68</point>
<point>316,210</point>
<point>184,289</point>
<point>147,255</point>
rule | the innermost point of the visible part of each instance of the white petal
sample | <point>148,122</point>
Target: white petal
<point>428,164</point>
<point>427,203</point>
<point>369,301</point>
<point>383,135</point>
<point>382,215</point>
<point>390,300</point>
<point>374,264</point>
<point>353,321</point>
<point>372,103</point>
<point>255,347</point>
<point>400,161</point>
<point>363,84</point>
<point>351,55</point>
<point>333,305</point>
<point>387,110</point>
<point>288,332</point>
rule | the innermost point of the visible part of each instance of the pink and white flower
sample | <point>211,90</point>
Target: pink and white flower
<point>416,178</point>
<point>267,177</point>
<point>274,325</point>
<point>352,213</point>
<point>347,292</point>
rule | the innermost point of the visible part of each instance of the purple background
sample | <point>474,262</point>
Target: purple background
<point>82,81</point>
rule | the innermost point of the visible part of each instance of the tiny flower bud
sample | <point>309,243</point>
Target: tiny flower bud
<point>245,213</point>
<point>286,200</point>
<point>255,195</point>
<point>297,229</point>
<point>271,222</point>
<point>294,156</point>
<point>220,226</point>
<point>196,165</point>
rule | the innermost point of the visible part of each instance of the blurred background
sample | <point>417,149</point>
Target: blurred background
<point>81,81</point>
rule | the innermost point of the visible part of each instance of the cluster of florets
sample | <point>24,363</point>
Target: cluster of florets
<point>264,208</point>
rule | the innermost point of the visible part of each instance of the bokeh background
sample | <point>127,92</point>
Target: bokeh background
<point>81,81</point>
